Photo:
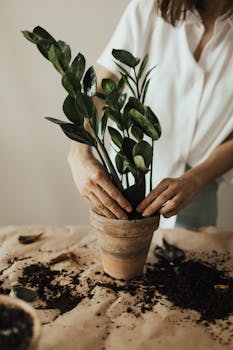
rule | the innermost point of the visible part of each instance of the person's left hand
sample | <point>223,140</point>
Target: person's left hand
<point>170,196</point>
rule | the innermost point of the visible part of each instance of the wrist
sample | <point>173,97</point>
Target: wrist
<point>198,176</point>
<point>80,151</point>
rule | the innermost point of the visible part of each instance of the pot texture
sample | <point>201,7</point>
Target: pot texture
<point>124,244</point>
<point>18,303</point>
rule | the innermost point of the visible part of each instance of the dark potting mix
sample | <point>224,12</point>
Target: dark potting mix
<point>15,328</point>
<point>188,282</point>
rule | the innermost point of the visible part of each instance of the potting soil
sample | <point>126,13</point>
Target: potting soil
<point>15,328</point>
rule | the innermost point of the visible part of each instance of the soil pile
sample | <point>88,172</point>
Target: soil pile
<point>47,283</point>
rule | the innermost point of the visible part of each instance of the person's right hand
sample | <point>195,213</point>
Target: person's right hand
<point>95,185</point>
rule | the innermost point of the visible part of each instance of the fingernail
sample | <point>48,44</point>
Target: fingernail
<point>145,213</point>
<point>129,209</point>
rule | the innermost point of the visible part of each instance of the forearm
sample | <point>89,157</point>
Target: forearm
<point>219,162</point>
<point>79,152</point>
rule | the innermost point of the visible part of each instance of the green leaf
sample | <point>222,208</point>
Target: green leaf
<point>126,81</point>
<point>104,122</point>
<point>32,37</point>
<point>142,155</point>
<point>85,105</point>
<point>53,56</point>
<point>90,82</point>
<point>116,99</point>
<point>65,54</point>
<point>108,85</point>
<point>121,85</point>
<point>116,117</point>
<point>144,123</point>
<point>68,83</point>
<point>146,76</point>
<point>123,165</point>
<point>55,121</point>
<point>154,120</point>
<point>69,108</point>
<point>112,98</point>
<point>121,101</point>
<point>78,67</point>
<point>127,148</point>
<point>30,239</point>
<point>94,121</point>
<point>125,57</point>
<point>137,133</point>
<point>143,66</point>
<point>115,136</point>
<point>77,133</point>
<point>41,32</point>
<point>140,163</point>
<point>133,102</point>
<point>145,90</point>
<point>119,163</point>
<point>23,293</point>
<point>44,47</point>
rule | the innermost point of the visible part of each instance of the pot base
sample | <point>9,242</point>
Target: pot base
<point>123,268</point>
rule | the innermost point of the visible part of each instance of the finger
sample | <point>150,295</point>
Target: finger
<point>113,192</point>
<point>159,202</point>
<point>172,205</point>
<point>109,203</point>
<point>151,196</point>
<point>98,207</point>
<point>175,211</point>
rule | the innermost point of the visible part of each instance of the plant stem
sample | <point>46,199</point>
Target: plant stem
<point>137,84</point>
<point>109,164</point>
<point>151,170</point>
<point>127,175</point>
<point>127,180</point>
<point>130,86</point>
<point>102,159</point>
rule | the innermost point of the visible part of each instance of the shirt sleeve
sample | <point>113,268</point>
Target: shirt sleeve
<point>209,145</point>
<point>129,34</point>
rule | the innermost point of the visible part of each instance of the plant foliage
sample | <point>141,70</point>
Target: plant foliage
<point>134,121</point>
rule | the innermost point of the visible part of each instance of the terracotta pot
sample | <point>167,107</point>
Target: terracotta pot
<point>28,309</point>
<point>124,244</point>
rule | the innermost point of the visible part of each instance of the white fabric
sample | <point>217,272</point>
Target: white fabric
<point>193,101</point>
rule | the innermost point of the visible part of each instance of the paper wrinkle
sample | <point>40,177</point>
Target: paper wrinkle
<point>164,328</point>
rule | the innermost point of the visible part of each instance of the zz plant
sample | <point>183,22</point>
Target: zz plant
<point>134,121</point>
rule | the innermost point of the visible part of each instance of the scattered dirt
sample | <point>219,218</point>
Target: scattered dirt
<point>189,283</point>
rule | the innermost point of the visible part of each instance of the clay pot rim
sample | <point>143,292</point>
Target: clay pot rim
<point>125,222</point>
<point>28,309</point>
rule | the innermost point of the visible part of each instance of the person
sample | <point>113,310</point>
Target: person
<point>191,42</point>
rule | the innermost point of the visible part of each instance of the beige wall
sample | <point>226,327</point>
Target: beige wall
<point>36,185</point>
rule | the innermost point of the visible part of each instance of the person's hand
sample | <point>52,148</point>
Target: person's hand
<point>170,196</point>
<point>96,187</point>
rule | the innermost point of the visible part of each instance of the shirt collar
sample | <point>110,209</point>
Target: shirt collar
<point>230,20</point>
<point>194,17</point>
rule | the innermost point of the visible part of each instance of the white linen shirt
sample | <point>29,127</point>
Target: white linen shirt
<point>193,100</point>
